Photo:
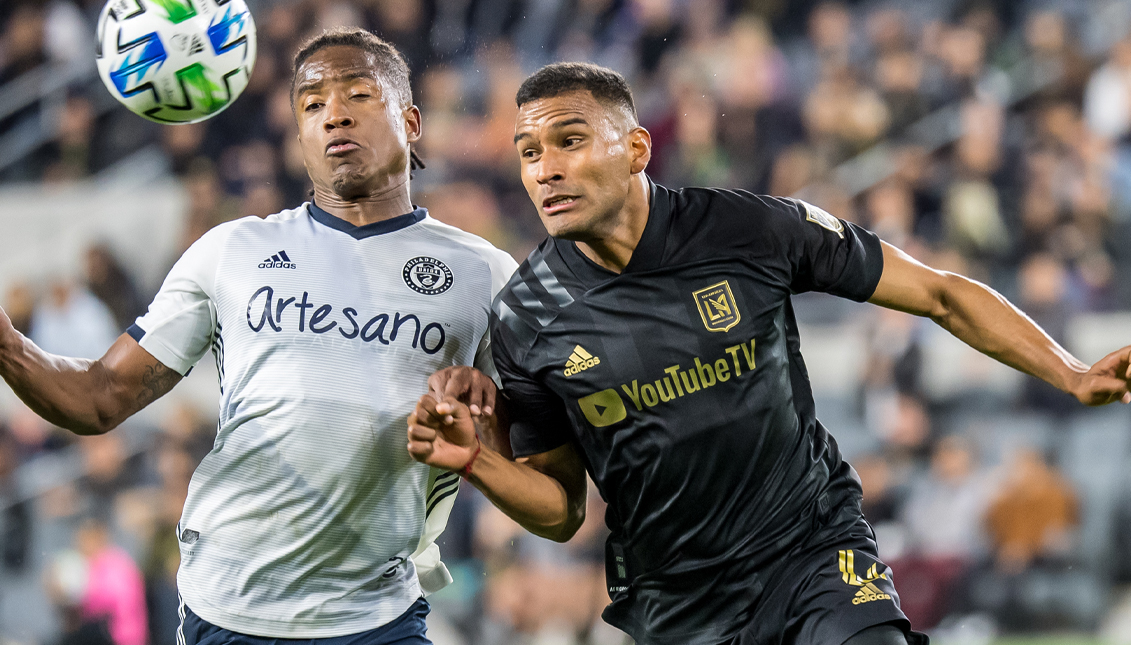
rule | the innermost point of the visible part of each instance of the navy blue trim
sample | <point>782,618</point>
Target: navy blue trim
<point>410,628</point>
<point>135,332</point>
<point>369,230</point>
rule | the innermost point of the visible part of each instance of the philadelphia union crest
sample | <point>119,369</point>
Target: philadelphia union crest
<point>427,275</point>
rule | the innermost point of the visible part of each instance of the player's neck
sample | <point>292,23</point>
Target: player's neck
<point>374,207</point>
<point>614,251</point>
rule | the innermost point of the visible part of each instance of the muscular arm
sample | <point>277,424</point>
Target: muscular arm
<point>544,493</point>
<point>985,320</point>
<point>84,396</point>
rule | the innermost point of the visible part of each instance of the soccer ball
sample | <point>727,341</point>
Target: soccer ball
<point>176,61</point>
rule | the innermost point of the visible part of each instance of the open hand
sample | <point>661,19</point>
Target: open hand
<point>465,384</point>
<point>441,433</point>
<point>1107,381</point>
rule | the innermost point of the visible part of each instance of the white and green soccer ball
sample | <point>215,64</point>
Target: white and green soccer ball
<point>176,61</point>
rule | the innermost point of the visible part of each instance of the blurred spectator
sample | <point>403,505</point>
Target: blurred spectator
<point>15,511</point>
<point>66,582</point>
<point>109,469</point>
<point>1043,296</point>
<point>22,41</point>
<point>67,34</point>
<point>114,590</point>
<point>1033,515</point>
<point>108,280</point>
<point>1107,101</point>
<point>944,510</point>
<point>881,494</point>
<point>70,321</point>
<point>19,304</point>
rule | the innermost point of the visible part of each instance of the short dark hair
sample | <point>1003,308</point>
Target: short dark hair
<point>391,65</point>
<point>556,79</point>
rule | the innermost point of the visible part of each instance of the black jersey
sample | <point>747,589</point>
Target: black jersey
<point>680,381</point>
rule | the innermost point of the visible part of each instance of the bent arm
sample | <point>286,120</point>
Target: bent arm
<point>84,396</point>
<point>544,493</point>
<point>984,320</point>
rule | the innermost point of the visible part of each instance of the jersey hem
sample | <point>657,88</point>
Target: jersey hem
<point>331,627</point>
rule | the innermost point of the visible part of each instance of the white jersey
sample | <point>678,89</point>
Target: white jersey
<point>308,519</point>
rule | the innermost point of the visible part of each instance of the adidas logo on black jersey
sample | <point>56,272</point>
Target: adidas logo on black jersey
<point>579,361</point>
<point>868,593</point>
<point>278,261</point>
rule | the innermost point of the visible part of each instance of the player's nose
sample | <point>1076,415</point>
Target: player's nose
<point>337,116</point>
<point>549,168</point>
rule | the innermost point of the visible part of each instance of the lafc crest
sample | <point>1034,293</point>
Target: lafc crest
<point>717,307</point>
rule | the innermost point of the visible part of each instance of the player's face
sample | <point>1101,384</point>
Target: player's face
<point>578,158</point>
<point>353,129</point>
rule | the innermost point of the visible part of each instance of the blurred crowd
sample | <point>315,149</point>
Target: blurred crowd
<point>987,137</point>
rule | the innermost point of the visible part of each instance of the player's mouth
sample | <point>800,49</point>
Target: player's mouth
<point>558,203</point>
<point>340,147</point>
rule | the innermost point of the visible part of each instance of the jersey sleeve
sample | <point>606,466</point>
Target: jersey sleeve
<point>539,421</point>
<point>828,254</point>
<point>503,267</point>
<point>179,326</point>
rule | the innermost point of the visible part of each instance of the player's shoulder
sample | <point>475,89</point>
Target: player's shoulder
<point>536,293</point>
<point>724,203</point>
<point>730,218</point>
<point>474,245</point>
<point>221,232</point>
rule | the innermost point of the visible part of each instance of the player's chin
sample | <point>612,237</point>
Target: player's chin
<point>569,225</point>
<point>350,182</point>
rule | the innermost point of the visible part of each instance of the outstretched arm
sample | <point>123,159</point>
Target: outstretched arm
<point>83,396</point>
<point>545,493</point>
<point>983,319</point>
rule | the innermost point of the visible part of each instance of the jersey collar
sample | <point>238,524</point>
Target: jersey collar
<point>368,230</point>
<point>647,255</point>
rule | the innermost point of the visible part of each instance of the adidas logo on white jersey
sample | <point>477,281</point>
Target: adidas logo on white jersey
<point>579,361</point>
<point>278,261</point>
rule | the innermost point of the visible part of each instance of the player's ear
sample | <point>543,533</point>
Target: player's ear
<point>639,149</point>
<point>413,125</point>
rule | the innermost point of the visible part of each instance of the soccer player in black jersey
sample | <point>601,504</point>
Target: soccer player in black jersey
<point>650,341</point>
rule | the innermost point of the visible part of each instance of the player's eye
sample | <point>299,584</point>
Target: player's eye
<point>571,141</point>
<point>312,106</point>
<point>529,153</point>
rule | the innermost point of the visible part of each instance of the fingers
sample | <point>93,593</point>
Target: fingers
<point>425,411</point>
<point>489,399</point>
<point>1102,390</point>
<point>421,433</point>
<point>481,394</point>
<point>452,410</point>
<point>421,450</point>
<point>421,439</point>
<point>466,384</point>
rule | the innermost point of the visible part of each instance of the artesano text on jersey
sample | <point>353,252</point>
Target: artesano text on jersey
<point>308,518</point>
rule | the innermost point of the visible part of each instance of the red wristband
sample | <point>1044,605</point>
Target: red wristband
<point>466,470</point>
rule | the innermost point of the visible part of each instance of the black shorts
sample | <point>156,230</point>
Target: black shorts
<point>827,592</point>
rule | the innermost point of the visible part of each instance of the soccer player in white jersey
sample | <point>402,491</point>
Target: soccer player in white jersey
<point>308,519</point>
